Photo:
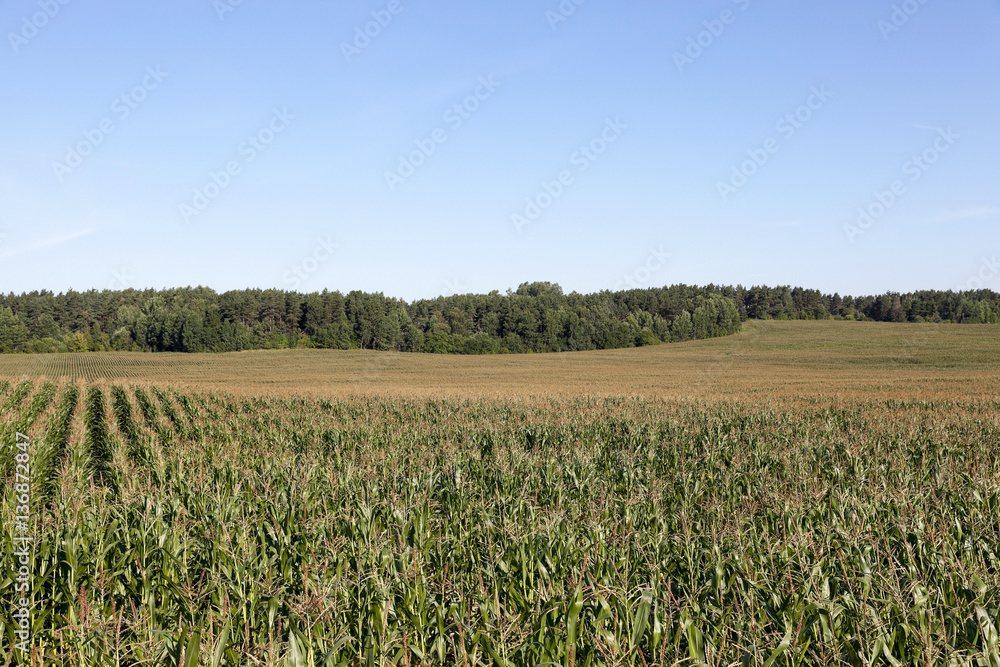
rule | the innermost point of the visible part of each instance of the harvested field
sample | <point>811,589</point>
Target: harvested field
<point>767,360</point>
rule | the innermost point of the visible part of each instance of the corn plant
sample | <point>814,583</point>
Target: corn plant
<point>578,531</point>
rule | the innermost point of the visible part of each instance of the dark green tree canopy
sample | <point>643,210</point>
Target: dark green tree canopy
<point>537,317</point>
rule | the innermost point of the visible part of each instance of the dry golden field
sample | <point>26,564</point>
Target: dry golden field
<point>838,360</point>
<point>803,493</point>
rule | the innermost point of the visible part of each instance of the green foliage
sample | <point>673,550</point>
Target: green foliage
<point>45,346</point>
<point>20,392</point>
<point>683,327</point>
<point>579,531</point>
<point>13,333</point>
<point>130,430</point>
<point>148,411</point>
<point>537,317</point>
<point>98,438</point>
<point>782,303</point>
<point>9,431</point>
<point>54,446</point>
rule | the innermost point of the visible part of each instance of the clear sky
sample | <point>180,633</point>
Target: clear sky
<point>472,146</point>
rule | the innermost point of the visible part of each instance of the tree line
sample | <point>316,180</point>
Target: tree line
<point>967,307</point>
<point>537,317</point>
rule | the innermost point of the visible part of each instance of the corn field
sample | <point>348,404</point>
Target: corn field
<point>184,527</point>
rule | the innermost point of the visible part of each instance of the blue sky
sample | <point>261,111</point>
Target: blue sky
<point>599,145</point>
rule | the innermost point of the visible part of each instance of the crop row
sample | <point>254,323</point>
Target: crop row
<point>588,531</point>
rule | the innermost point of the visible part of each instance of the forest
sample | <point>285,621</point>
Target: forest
<point>537,317</point>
